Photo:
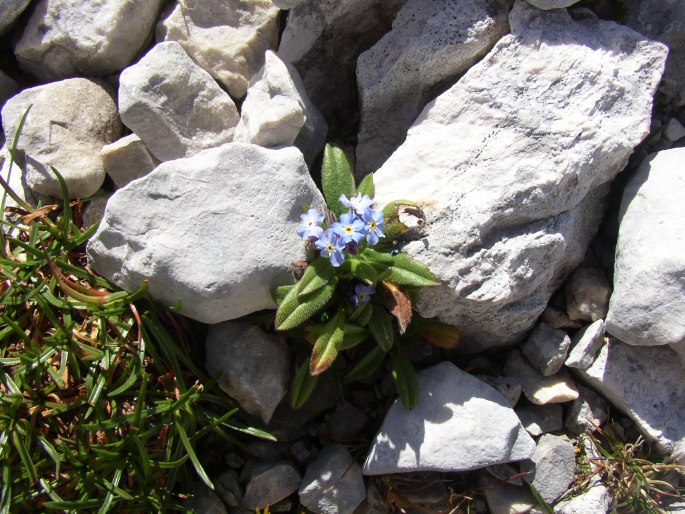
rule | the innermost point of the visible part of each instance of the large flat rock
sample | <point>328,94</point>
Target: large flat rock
<point>216,232</point>
<point>510,162</point>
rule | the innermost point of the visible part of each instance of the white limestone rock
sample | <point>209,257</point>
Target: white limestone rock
<point>227,38</point>
<point>558,388</point>
<point>586,344</point>
<point>429,46</point>
<point>587,295</point>
<point>127,159</point>
<point>10,10</point>
<point>67,125</point>
<point>510,162</point>
<point>13,174</point>
<point>647,306</point>
<point>459,423</point>
<point>254,366</point>
<point>323,39</point>
<point>173,105</point>
<point>333,483</point>
<point>216,232</point>
<point>546,348</point>
<point>277,111</point>
<point>596,499</point>
<point>551,4</point>
<point>552,468</point>
<point>65,38</point>
<point>646,383</point>
<point>587,412</point>
<point>540,419</point>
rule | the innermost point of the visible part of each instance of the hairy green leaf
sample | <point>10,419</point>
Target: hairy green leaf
<point>292,312</point>
<point>336,178</point>
<point>354,335</point>
<point>366,365</point>
<point>326,347</point>
<point>362,315</point>
<point>381,328</point>
<point>318,274</point>
<point>409,272</point>
<point>361,269</point>
<point>366,186</point>
<point>302,386</point>
<point>280,293</point>
<point>405,377</point>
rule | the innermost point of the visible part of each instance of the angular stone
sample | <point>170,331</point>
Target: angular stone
<point>553,466</point>
<point>254,366</point>
<point>557,318</point>
<point>508,387</point>
<point>95,210</point>
<point>509,164</point>
<point>587,295</point>
<point>587,413</point>
<point>205,501</point>
<point>586,344</point>
<point>674,130</point>
<point>459,423</point>
<point>323,39</point>
<point>67,125</point>
<point>10,10</point>
<point>64,38</point>
<point>546,348</point>
<point>540,390</point>
<point>648,304</point>
<point>277,111</point>
<point>227,38</point>
<point>270,483</point>
<point>596,499</point>
<point>540,419</point>
<point>505,498</point>
<point>173,105</point>
<point>647,384</point>
<point>429,46</point>
<point>551,4</point>
<point>127,159</point>
<point>333,483</point>
<point>247,197</point>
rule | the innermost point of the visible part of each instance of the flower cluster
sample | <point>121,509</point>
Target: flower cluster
<point>359,224</point>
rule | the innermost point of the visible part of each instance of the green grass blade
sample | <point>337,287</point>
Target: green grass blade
<point>191,452</point>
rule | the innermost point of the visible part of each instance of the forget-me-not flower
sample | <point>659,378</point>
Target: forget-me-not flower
<point>310,228</point>
<point>349,228</point>
<point>373,225</point>
<point>357,203</point>
<point>362,294</point>
<point>331,246</point>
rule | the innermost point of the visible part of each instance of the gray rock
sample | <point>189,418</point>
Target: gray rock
<point>277,111</point>
<point>646,383</point>
<point>67,125</point>
<point>7,85</point>
<point>95,210</point>
<point>508,387</point>
<point>459,423</point>
<point>64,38</point>
<point>586,344</point>
<point>227,38</point>
<point>587,412</point>
<point>346,423</point>
<point>551,4</point>
<point>13,174</point>
<point>540,419</point>
<point>333,483</point>
<point>270,483</point>
<point>10,10</point>
<point>540,390</point>
<point>594,500</point>
<point>173,105</point>
<point>674,130</point>
<point>287,4</point>
<point>587,295</point>
<point>429,46</point>
<point>664,21</point>
<point>648,304</point>
<point>127,159</point>
<point>323,39</point>
<point>227,486</point>
<point>254,239</point>
<point>204,501</point>
<point>506,473</point>
<point>557,318</point>
<point>254,366</point>
<point>546,348</point>
<point>552,468</point>
<point>509,166</point>
<point>505,498</point>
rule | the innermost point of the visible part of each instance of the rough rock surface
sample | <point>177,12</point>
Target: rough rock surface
<point>540,419</point>
<point>429,46</point>
<point>64,38</point>
<point>647,384</point>
<point>508,166</point>
<point>254,366</point>
<point>67,125</point>
<point>277,111</point>
<point>586,344</point>
<point>587,295</point>
<point>269,484</point>
<point>10,10</point>
<point>459,423</point>
<point>333,482</point>
<point>173,105</point>
<point>287,4</point>
<point>587,412</point>
<point>323,39</point>
<point>552,468</point>
<point>595,500</point>
<point>505,498</point>
<point>648,303</point>
<point>551,4</point>
<point>546,348</point>
<point>247,197</point>
<point>127,159</point>
<point>7,88</point>
<point>540,390</point>
<point>227,38</point>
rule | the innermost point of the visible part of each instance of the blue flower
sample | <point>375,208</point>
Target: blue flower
<point>357,203</point>
<point>373,225</point>
<point>362,294</point>
<point>331,246</point>
<point>349,228</point>
<point>310,228</point>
